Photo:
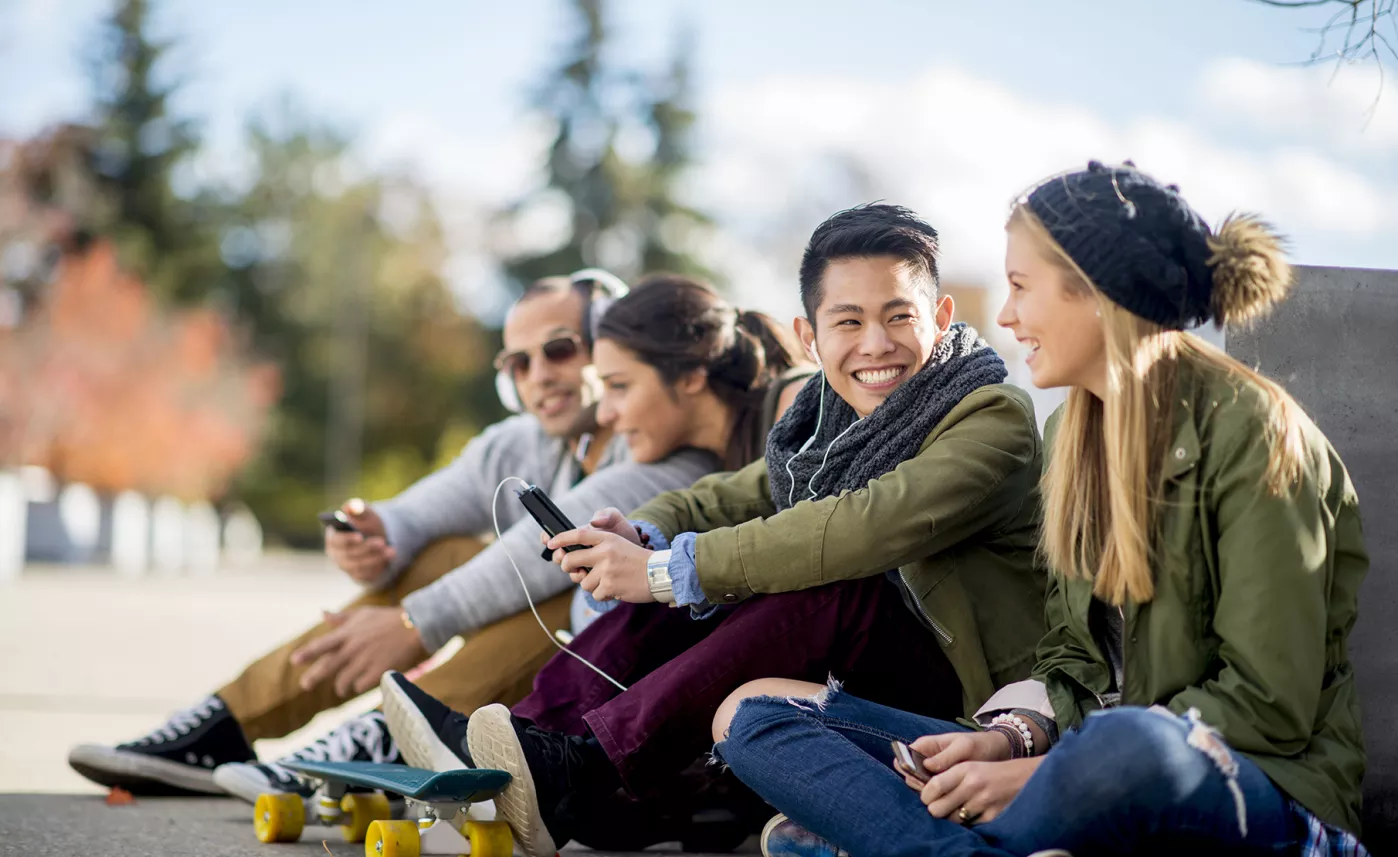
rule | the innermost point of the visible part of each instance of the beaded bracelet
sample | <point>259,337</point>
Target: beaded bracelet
<point>1012,735</point>
<point>1020,725</point>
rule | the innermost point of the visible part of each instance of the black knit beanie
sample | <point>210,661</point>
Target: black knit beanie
<point>1137,240</point>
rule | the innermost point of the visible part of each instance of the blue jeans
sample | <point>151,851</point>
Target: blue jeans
<point>1129,781</point>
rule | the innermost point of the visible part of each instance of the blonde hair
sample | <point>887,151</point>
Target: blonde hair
<point>1103,488</point>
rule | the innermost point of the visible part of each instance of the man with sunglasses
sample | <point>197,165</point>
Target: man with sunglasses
<point>427,575</point>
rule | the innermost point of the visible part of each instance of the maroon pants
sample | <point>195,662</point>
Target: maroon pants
<point>679,670</point>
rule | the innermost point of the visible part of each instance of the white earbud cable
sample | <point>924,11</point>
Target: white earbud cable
<point>499,538</point>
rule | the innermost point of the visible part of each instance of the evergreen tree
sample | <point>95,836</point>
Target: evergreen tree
<point>167,240</point>
<point>622,209</point>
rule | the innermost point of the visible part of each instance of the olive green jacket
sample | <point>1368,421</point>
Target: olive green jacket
<point>1255,596</point>
<point>959,521</point>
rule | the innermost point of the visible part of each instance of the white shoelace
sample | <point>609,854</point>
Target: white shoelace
<point>343,745</point>
<point>183,722</point>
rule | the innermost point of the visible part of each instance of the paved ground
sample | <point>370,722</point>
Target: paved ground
<point>86,656</point>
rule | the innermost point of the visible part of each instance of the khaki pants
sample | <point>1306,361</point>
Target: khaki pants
<point>496,664</point>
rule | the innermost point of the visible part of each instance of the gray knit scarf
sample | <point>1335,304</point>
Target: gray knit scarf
<point>892,434</point>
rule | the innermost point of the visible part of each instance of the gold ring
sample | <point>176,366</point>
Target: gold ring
<point>963,815</point>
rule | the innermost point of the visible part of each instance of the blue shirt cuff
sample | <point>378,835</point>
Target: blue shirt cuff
<point>684,577</point>
<point>657,539</point>
<point>586,609</point>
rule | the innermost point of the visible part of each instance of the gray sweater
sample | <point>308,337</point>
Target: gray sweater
<point>456,500</point>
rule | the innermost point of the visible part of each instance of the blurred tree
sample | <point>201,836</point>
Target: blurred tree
<point>102,386</point>
<point>620,150</point>
<point>167,239</point>
<point>339,273</point>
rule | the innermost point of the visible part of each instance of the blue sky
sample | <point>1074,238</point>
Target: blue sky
<point>951,107</point>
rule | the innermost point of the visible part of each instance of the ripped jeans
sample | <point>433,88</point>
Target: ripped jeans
<point>1131,780</point>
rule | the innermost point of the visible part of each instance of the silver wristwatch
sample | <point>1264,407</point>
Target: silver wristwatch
<point>658,575</point>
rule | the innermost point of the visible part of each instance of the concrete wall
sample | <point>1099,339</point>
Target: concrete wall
<point>1334,346</point>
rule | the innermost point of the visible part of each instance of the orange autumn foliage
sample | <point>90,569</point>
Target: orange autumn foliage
<point>101,386</point>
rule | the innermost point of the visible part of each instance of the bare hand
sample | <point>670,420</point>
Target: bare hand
<point>618,566</point>
<point>364,555</point>
<point>952,748</point>
<point>982,788</point>
<point>361,646</point>
<point>611,520</point>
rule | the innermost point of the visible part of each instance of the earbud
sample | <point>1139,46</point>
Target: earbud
<point>815,355</point>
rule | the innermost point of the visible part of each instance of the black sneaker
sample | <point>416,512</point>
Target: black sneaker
<point>549,772</point>
<point>178,758</point>
<point>428,732</point>
<point>361,739</point>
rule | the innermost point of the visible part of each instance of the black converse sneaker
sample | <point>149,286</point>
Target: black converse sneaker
<point>551,774</point>
<point>361,739</point>
<point>178,758</point>
<point>431,735</point>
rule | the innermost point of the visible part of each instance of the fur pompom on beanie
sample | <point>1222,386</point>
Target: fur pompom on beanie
<point>1149,252</point>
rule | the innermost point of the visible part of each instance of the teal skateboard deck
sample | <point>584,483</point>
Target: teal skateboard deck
<point>464,786</point>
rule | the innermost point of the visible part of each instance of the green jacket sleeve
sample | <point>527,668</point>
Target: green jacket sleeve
<point>1270,614</point>
<point>972,477</point>
<point>1067,669</point>
<point>717,500</point>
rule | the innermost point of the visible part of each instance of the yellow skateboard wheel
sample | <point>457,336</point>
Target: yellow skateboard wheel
<point>490,838</point>
<point>360,810</point>
<point>278,817</point>
<point>392,839</point>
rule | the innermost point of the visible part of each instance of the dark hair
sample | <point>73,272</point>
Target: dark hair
<point>875,229</point>
<point>676,325</point>
<point>587,284</point>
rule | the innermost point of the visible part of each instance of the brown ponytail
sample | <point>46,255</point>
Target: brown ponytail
<point>676,325</point>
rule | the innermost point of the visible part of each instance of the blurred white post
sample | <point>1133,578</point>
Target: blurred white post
<point>201,532</point>
<point>167,535</point>
<point>14,509</point>
<point>242,538</point>
<point>81,514</point>
<point>131,534</point>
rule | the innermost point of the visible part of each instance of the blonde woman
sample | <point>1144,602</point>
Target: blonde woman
<point>1194,688</point>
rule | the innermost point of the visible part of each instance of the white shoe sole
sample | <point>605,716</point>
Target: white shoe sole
<point>415,737</point>
<point>110,766</point>
<point>493,744</point>
<point>243,781</point>
<point>767,831</point>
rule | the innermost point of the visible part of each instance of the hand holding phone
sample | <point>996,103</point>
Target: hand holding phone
<point>337,520</point>
<point>908,761</point>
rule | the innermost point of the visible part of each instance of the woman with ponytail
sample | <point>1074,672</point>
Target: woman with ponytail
<point>1194,689</point>
<point>681,368</point>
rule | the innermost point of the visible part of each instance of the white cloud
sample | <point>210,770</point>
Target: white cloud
<point>783,153</point>
<point>1350,107</point>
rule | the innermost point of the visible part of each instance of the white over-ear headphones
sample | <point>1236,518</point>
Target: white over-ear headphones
<point>603,289</point>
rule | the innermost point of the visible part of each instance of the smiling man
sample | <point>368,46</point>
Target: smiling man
<point>890,532</point>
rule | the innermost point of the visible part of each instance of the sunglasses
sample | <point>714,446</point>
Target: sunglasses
<point>560,350</point>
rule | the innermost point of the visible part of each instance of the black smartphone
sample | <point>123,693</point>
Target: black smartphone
<point>908,761</point>
<point>338,521</point>
<point>549,516</point>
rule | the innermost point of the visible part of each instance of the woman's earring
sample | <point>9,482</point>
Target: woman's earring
<point>1098,313</point>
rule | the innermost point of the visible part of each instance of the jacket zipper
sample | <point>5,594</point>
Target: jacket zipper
<point>937,629</point>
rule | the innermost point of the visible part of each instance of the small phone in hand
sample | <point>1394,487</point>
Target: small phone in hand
<point>338,521</point>
<point>908,761</point>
